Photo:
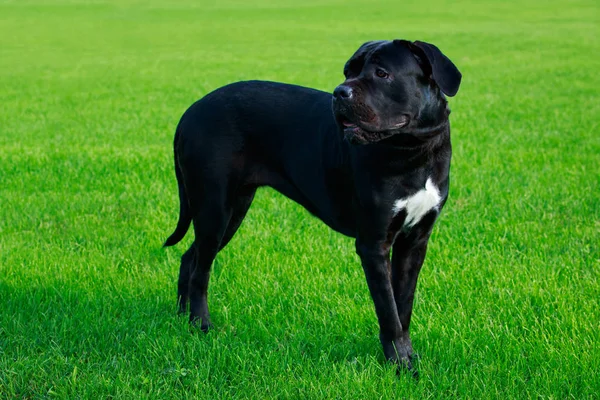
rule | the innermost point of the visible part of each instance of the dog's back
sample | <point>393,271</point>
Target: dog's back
<point>268,133</point>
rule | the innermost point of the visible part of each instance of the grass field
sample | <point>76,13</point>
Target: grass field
<point>90,94</point>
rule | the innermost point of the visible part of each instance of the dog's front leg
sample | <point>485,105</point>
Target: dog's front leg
<point>375,259</point>
<point>408,255</point>
<point>407,260</point>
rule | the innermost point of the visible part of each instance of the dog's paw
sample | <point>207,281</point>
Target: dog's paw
<point>202,324</point>
<point>400,353</point>
<point>206,326</point>
<point>408,366</point>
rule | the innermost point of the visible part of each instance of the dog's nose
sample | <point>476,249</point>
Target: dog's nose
<point>342,91</point>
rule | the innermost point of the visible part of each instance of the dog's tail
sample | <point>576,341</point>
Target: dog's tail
<point>185,217</point>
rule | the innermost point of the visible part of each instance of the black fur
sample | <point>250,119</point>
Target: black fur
<point>346,158</point>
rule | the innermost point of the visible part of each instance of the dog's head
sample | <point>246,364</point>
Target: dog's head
<point>392,88</point>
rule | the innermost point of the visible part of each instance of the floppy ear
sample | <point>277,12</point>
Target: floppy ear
<point>443,71</point>
<point>358,58</point>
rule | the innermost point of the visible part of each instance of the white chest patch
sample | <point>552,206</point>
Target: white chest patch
<point>418,204</point>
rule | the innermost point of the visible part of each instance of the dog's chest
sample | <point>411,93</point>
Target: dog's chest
<point>417,205</point>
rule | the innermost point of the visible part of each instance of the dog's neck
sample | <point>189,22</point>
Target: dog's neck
<point>421,136</point>
<point>430,129</point>
<point>426,133</point>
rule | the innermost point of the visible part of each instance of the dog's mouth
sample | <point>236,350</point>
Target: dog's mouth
<point>364,133</point>
<point>348,125</point>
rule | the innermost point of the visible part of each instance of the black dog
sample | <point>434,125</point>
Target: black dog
<point>372,161</point>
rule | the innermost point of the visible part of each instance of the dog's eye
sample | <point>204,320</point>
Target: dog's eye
<point>381,73</point>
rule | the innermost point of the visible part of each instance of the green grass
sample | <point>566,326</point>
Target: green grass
<point>90,94</point>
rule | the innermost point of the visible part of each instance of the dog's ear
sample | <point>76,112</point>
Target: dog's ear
<point>356,62</point>
<point>443,71</point>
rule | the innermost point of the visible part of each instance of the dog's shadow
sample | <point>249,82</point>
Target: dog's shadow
<point>288,321</point>
<point>66,321</point>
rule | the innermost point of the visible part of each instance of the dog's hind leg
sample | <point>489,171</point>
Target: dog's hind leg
<point>188,261</point>
<point>210,223</point>
<point>241,205</point>
<point>185,269</point>
<point>214,226</point>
